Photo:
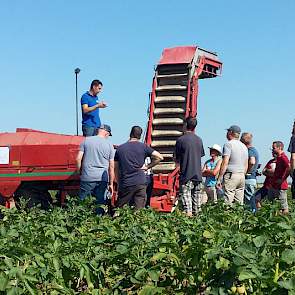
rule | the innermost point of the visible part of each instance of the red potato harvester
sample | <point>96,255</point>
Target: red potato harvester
<point>33,162</point>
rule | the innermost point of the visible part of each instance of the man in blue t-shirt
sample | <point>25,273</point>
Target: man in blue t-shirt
<point>130,167</point>
<point>250,177</point>
<point>90,109</point>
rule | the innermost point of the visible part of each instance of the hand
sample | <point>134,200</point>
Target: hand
<point>144,167</point>
<point>102,104</point>
<point>218,184</point>
<point>111,189</point>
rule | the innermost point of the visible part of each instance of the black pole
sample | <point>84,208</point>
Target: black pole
<point>77,71</point>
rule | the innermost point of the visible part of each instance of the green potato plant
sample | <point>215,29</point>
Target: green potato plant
<point>223,250</point>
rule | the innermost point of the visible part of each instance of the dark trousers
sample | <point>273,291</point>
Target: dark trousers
<point>293,186</point>
<point>133,194</point>
<point>89,131</point>
<point>149,189</point>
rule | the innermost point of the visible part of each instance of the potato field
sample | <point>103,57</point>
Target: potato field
<point>72,251</point>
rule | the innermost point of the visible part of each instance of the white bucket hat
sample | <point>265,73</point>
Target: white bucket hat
<point>216,147</point>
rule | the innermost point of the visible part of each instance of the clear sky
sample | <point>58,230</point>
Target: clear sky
<point>119,42</point>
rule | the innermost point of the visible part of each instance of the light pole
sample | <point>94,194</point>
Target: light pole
<point>77,71</point>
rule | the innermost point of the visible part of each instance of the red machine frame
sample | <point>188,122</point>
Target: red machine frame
<point>166,186</point>
<point>57,171</point>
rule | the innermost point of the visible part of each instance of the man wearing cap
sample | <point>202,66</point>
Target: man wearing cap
<point>211,170</point>
<point>233,167</point>
<point>90,109</point>
<point>291,149</point>
<point>250,178</point>
<point>95,162</point>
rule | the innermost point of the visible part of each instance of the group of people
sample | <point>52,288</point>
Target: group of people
<point>99,164</point>
<point>237,170</point>
<point>230,172</point>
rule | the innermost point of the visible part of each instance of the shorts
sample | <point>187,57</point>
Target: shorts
<point>279,194</point>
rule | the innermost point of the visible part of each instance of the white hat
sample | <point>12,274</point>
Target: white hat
<point>216,147</point>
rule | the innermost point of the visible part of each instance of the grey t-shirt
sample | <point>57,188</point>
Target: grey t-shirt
<point>98,152</point>
<point>238,155</point>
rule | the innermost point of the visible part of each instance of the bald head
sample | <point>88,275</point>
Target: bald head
<point>246,138</point>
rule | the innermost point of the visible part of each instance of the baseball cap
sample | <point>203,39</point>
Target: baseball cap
<point>106,128</point>
<point>234,128</point>
<point>216,147</point>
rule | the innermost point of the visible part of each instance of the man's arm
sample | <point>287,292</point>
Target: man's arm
<point>156,158</point>
<point>79,160</point>
<point>177,154</point>
<point>246,167</point>
<point>116,170</point>
<point>111,175</point>
<point>215,171</point>
<point>205,170</point>
<point>267,172</point>
<point>251,163</point>
<point>286,171</point>
<point>292,164</point>
<point>223,167</point>
<point>86,109</point>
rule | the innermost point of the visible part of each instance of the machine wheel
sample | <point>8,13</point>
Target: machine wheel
<point>34,197</point>
<point>73,193</point>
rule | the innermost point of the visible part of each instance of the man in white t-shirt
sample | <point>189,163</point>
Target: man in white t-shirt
<point>233,167</point>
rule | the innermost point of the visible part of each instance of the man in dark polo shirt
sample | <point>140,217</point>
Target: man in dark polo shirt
<point>130,167</point>
<point>291,149</point>
<point>279,184</point>
<point>188,153</point>
<point>90,109</point>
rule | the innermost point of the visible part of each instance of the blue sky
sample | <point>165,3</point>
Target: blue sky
<point>119,42</point>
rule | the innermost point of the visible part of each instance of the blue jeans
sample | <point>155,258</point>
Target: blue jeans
<point>250,198</point>
<point>89,131</point>
<point>96,189</point>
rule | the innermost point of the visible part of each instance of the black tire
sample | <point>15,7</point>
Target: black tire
<point>33,198</point>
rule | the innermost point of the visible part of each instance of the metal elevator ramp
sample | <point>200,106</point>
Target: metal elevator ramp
<point>169,112</point>
<point>171,101</point>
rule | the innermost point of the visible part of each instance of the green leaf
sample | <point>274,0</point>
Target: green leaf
<point>14,291</point>
<point>259,241</point>
<point>39,260</point>
<point>13,233</point>
<point>246,275</point>
<point>139,275</point>
<point>288,284</point>
<point>284,225</point>
<point>288,256</point>
<point>3,281</point>
<point>158,256</point>
<point>154,275</point>
<point>134,281</point>
<point>239,261</point>
<point>66,262</point>
<point>222,263</point>
<point>122,249</point>
<point>56,264</point>
<point>149,290</point>
<point>29,288</point>
<point>207,234</point>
